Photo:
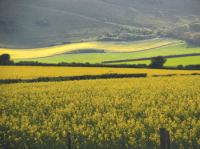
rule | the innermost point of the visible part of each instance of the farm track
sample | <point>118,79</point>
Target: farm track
<point>149,58</point>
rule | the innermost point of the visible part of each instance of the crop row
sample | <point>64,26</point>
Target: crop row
<point>34,72</point>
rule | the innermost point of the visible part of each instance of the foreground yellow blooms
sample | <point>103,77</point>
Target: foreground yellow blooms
<point>33,72</point>
<point>114,112</point>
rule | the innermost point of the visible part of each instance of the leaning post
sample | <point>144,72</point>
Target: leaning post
<point>169,146</point>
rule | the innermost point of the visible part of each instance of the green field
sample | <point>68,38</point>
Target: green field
<point>171,62</point>
<point>99,57</point>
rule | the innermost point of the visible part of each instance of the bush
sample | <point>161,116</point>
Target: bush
<point>179,30</point>
<point>196,27</point>
<point>196,38</point>
<point>157,62</point>
<point>193,66</point>
<point>146,31</point>
<point>180,66</point>
<point>187,36</point>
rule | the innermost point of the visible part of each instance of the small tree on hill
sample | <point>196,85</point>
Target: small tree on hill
<point>157,62</point>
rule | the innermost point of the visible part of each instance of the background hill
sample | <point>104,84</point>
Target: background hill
<point>42,23</point>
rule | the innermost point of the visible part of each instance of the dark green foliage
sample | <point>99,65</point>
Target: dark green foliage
<point>5,60</point>
<point>50,79</point>
<point>189,32</point>
<point>193,66</point>
<point>5,57</point>
<point>168,75</point>
<point>180,66</point>
<point>74,64</point>
<point>196,27</point>
<point>157,62</point>
<point>196,38</point>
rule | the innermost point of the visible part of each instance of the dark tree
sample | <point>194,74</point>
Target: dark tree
<point>157,62</point>
<point>5,57</point>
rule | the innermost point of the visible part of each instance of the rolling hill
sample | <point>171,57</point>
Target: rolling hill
<point>43,23</point>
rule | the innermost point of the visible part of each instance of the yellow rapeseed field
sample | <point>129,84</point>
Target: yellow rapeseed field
<point>108,46</point>
<point>33,72</point>
<point>102,112</point>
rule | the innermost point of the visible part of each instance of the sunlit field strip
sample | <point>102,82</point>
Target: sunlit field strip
<point>171,62</point>
<point>175,49</point>
<point>102,110</point>
<point>32,72</point>
<point>108,46</point>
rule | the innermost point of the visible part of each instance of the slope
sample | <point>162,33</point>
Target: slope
<point>42,23</point>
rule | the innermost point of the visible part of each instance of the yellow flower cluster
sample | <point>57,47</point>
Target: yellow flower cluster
<point>113,112</point>
<point>33,72</point>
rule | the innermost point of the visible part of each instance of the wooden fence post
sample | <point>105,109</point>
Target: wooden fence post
<point>69,140</point>
<point>169,146</point>
<point>162,138</point>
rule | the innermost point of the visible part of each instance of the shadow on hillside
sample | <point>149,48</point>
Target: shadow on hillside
<point>190,45</point>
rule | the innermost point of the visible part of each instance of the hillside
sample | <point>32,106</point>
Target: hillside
<point>43,23</point>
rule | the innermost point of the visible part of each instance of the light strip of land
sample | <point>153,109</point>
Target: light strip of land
<point>107,46</point>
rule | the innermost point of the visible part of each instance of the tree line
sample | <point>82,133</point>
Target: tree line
<point>156,62</point>
<point>189,32</point>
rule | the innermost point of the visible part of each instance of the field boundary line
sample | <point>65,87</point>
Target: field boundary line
<point>149,58</point>
<point>72,78</point>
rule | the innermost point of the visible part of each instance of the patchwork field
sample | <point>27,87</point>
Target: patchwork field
<point>99,113</point>
<point>107,46</point>
<point>171,62</point>
<point>139,50</point>
<point>32,72</point>
<point>107,113</point>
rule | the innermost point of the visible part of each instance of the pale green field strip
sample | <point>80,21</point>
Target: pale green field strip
<point>171,62</point>
<point>99,57</point>
<point>107,46</point>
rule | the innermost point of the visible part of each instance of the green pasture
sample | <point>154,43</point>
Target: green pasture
<point>190,60</point>
<point>171,62</point>
<point>99,57</point>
